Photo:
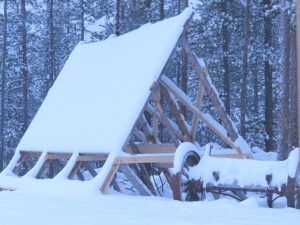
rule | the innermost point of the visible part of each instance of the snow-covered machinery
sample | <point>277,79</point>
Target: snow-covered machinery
<point>203,173</point>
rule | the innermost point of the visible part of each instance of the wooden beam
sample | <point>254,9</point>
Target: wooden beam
<point>230,127</point>
<point>109,178</point>
<point>92,157</point>
<point>74,170</point>
<point>212,124</point>
<point>155,120</point>
<point>140,135</point>
<point>176,113</point>
<point>150,109</point>
<point>151,158</point>
<point>165,120</point>
<point>59,155</point>
<point>153,148</point>
<point>142,170</point>
<point>134,180</point>
<point>195,119</point>
<point>147,129</point>
<point>43,169</point>
<point>89,168</point>
<point>31,153</point>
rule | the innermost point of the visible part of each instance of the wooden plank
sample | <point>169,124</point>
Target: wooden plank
<point>140,135</point>
<point>153,148</point>
<point>177,114</point>
<point>109,178</point>
<point>150,109</point>
<point>31,153</point>
<point>138,159</point>
<point>43,169</point>
<point>89,168</point>
<point>18,165</point>
<point>174,182</point>
<point>74,170</point>
<point>53,156</point>
<point>134,180</point>
<point>142,170</point>
<point>147,129</point>
<point>195,119</point>
<point>185,100</point>
<point>92,157</point>
<point>155,120</point>
<point>165,120</point>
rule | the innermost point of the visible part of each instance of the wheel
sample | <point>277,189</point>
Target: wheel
<point>191,190</point>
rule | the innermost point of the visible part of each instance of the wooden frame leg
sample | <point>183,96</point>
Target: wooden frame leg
<point>109,178</point>
<point>12,164</point>
<point>43,169</point>
<point>37,167</point>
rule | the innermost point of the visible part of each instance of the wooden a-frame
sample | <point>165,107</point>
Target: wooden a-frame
<point>143,144</point>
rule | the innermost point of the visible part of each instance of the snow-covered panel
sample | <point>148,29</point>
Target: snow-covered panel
<point>245,172</point>
<point>101,90</point>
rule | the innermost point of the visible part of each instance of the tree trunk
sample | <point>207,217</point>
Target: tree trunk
<point>293,128</point>
<point>82,20</point>
<point>24,66</point>
<point>118,8</point>
<point>3,81</point>
<point>184,68</point>
<point>50,45</point>
<point>225,48</point>
<point>245,68</point>
<point>269,105</point>
<point>161,9</point>
<point>284,111</point>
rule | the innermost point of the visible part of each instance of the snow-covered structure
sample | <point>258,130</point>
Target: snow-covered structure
<point>105,106</point>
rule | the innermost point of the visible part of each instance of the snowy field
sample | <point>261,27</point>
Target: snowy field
<point>74,207</point>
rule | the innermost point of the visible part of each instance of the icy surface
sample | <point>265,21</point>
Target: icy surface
<point>101,90</point>
<point>245,172</point>
<point>72,206</point>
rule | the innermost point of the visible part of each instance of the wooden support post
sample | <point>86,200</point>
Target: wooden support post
<point>177,114</point>
<point>74,170</point>
<point>147,129</point>
<point>19,164</point>
<point>175,130</point>
<point>174,182</point>
<point>290,192</point>
<point>195,119</point>
<point>134,180</point>
<point>90,169</point>
<point>140,135</point>
<point>143,170</point>
<point>165,119</point>
<point>43,169</point>
<point>155,120</point>
<point>109,178</point>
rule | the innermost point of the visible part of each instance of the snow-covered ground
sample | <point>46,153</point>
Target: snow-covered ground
<point>28,208</point>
